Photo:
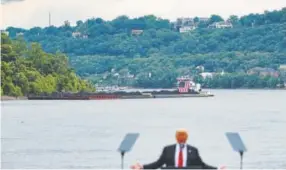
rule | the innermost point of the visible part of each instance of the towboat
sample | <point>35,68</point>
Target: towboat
<point>185,88</point>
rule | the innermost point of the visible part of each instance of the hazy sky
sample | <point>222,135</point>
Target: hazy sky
<point>30,13</point>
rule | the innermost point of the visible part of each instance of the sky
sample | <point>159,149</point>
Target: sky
<point>31,13</point>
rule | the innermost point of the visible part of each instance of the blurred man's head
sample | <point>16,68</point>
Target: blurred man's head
<point>181,135</point>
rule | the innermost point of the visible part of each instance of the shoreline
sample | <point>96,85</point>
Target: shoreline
<point>214,88</point>
<point>7,98</point>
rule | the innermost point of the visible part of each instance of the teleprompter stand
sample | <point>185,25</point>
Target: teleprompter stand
<point>237,144</point>
<point>126,145</point>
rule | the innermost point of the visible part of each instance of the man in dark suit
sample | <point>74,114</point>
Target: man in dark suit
<point>180,155</point>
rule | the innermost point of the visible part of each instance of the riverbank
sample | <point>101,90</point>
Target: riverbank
<point>205,88</point>
<point>4,98</point>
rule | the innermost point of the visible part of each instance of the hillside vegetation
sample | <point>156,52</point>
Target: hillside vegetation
<point>100,49</point>
<point>29,70</point>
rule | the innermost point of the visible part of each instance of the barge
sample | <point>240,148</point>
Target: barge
<point>186,88</point>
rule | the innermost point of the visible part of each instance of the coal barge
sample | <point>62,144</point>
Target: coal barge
<point>186,88</point>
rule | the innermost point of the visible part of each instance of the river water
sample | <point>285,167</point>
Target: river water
<point>86,134</point>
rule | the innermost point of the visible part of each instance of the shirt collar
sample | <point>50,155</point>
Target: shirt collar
<point>182,145</point>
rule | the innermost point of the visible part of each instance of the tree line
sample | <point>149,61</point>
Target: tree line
<point>256,40</point>
<point>27,69</point>
<point>253,32</point>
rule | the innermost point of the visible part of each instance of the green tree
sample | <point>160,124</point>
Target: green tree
<point>234,20</point>
<point>32,71</point>
<point>215,18</point>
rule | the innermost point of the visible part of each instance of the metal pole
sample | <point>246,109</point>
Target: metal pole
<point>122,160</point>
<point>241,159</point>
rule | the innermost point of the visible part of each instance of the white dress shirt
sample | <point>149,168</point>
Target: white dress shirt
<point>184,155</point>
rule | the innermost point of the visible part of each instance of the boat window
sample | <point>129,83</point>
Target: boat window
<point>182,84</point>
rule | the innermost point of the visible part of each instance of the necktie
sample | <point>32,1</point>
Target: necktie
<point>180,160</point>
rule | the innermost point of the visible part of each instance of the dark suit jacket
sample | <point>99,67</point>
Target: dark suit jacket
<point>168,158</point>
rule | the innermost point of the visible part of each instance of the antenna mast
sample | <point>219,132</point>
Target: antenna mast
<point>49,18</point>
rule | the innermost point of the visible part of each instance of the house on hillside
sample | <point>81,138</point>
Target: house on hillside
<point>184,29</point>
<point>84,36</point>
<point>136,32</point>
<point>207,75</point>
<point>76,34</point>
<point>19,34</point>
<point>221,24</point>
<point>79,35</point>
<point>203,19</point>
<point>67,23</point>
<point>185,25</point>
<point>189,21</point>
<point>263,71</point>
<point>185,21</point>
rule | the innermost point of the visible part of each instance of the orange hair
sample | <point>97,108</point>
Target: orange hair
<point>181,135</point>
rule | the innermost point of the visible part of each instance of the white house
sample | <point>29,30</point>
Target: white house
<point>19,34</point>
<point>184,29</point>
<point>221,24</point>
<point>203,19</point>
<point>76,34</point>
<point>185,21</point>
<point>207,75</point>
<point>136,32</point>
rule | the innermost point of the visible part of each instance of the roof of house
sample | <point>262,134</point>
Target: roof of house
<point>223,22</point>
<point>261,69</point>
